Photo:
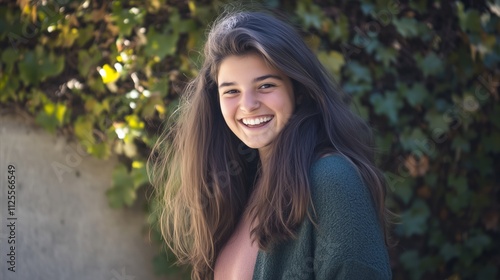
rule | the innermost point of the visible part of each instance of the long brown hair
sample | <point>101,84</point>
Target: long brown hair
<point>207,174</point>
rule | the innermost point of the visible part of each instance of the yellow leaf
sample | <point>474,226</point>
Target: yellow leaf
<point>108,74</point>
<point>333,61</point>
<point>137,164</point>
<point>60,112</point>
<point>49,108</point>
<point>160,109</point>
<point>192,7</point>
<point>134,122</point>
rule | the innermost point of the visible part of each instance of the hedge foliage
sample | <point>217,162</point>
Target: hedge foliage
<point>424,73</point>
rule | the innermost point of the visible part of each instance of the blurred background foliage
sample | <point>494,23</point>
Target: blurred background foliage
<point>424,73</point>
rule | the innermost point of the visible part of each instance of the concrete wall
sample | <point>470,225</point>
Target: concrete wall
<point>65,228</point>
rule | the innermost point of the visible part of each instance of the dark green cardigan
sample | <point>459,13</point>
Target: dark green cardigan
<point>348,243</point>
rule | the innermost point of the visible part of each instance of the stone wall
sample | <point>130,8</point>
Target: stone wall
<point>64,227</point>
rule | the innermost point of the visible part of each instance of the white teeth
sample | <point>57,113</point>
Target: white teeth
<point>256,121</point>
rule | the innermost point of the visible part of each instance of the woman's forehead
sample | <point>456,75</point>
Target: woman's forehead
<point>247,65</point>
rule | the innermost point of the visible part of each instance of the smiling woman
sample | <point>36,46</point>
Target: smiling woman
<point>258,100</point>
<point>267,174</point>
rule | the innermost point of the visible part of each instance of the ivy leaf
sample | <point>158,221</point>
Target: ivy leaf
<point>151,106</point>
<point>412,262</point>
<point>418,5</point>
<point>52,116</point>
<point>416,94</point>
<point>9,56</point>
<point>85,34</point>
<point>160,44</point>
<point>100,150</point>
<point>333,61</point>
<point>438,124</point>
<point>310,14</point>
<point>83,127</point>
<point>160,86</point>
<point>139,174</point>
<point>449,251</point>
<point>388,105</point>
<point>338,30</point>
<point>407,27</point>
<point>67,36</point>
<point>469,20</point>
<point>93,106</point>
<point>402,187</point>
<point>370,44</point>
<point>386,55</point>
<point>95,84</point>
<point>122,192</point>
<point>28,69</point>
<point>119,197</point>
<point>478,243</point>
<point>121,177</point>
<point>415,219</point>
<point>460,196</point>
<point>37,66</point>
<point>430,65</point>
<point>358,73</point>
<point>367,7</point>
<point>126,19</point>
<point>88,60</point>
<point>48,122</point>
<point>185,26</point>
<point>410,138</point>
<point>356,88</point>
<point>50,65</point>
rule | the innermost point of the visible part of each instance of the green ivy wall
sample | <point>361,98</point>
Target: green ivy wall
<point>424,73</point>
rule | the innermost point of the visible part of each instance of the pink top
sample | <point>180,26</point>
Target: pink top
<point>236,261</point>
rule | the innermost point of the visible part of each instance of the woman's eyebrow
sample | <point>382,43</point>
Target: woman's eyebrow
<point>261,78</point>
<point>258,79</point>
<point>227,84</point>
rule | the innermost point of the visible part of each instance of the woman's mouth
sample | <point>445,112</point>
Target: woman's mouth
<point>256,122</point>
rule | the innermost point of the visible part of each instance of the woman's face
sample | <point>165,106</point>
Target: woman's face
<point>256,100</point>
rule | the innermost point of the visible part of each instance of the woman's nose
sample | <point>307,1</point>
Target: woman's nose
<point>249,101</point>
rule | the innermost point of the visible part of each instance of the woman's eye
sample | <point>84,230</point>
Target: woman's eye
<point>231,91</point>
<point>266,86</point>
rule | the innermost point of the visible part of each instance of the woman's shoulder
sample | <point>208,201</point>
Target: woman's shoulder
<point>347,222</point>
<point>334,176</point>
<point>335,168</point>
<point>331,161</point>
